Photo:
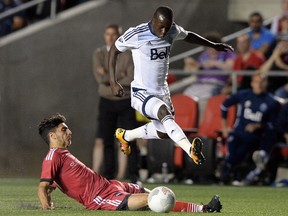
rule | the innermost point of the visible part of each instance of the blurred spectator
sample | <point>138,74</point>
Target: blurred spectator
<point>247,59</point>
<point>30,15</point>
<point>278,61</point>
<point>253,129</point>
<point>207,85</point>
<point>43,10</point>
<point>113,110</point>
<point>190,64</point>
<point>279,24</point>
<point>11,23</point>
<point>261,38</point>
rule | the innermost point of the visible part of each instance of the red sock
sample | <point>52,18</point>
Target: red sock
<point>187,207</point>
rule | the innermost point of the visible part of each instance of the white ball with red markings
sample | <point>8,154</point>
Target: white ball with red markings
<point>161,199</point>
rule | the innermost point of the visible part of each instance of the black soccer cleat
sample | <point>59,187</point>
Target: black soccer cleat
<point>214,205</point>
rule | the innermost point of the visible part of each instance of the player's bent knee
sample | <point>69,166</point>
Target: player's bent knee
<point>162,112</point>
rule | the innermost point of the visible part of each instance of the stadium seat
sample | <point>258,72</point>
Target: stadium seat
<point>186,112</point>
<point>171,78</point>
<point>211,124</point>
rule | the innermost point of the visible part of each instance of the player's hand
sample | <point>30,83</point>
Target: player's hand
<point>223,47</point>
<point>101,70</point>
<point>251,127</point>
<point>118,90</point>
<point>225,132</point>
<point>41,207</point>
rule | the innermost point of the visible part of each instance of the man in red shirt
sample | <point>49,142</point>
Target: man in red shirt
<point>247,59</point>
<point>63,170</point>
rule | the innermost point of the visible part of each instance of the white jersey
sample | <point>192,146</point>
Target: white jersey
<point>150,55</point>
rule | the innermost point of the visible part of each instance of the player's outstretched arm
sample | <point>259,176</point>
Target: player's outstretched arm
<point>116,88</point>
<point>44,194</point>
<point>197,39</point>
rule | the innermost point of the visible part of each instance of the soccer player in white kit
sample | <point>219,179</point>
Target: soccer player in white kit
<point>150,44</point>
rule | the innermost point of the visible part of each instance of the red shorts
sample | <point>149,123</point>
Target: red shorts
<point>115,196</point>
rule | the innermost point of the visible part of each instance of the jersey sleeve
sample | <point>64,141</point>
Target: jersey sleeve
<point>128,40</point>
<point>232,100</point>
<point>50,167</point>
<point>179,33</point>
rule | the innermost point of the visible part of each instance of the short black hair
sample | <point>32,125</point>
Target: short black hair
<point>49,124</point>
<point>257,14</point>
<point>165,11</point>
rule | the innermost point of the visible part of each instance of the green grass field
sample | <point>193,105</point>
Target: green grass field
<point>19,197</point>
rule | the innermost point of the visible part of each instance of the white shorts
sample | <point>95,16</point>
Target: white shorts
<point>148,104</point>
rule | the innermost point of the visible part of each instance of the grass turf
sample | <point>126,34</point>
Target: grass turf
<point>19,197</point>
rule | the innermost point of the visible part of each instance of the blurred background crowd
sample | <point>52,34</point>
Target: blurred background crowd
<point>31,15</point>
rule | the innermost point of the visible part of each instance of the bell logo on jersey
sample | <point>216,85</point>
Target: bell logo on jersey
<point>159,53</point>
<point>248,114</point>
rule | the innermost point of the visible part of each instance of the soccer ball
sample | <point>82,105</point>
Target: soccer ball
<point>161,199</point>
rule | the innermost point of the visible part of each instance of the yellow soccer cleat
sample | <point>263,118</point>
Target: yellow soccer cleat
<point>196,151</point>
<point>124,145</point>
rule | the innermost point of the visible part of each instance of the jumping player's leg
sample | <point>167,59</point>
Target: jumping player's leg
<point>160,109</point>
<point>147,131</point>
<point>177,135</point>
<point>158,129</point>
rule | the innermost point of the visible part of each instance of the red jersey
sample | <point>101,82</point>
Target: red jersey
<point>254,61</point>
<point>72,176</point>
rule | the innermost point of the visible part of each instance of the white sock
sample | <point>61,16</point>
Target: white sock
<point>185,145</point>
<point>175,133</point>
<point>147,131</point>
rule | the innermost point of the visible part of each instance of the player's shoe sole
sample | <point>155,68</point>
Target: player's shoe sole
<point>214,205</point>
<point>124,145</point>
<point>196,151</point>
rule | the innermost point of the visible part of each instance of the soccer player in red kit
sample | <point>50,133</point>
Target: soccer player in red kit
<point>63,170</point>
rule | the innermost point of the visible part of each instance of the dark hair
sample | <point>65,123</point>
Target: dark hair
<point>115,27</point>
<point>48,125</point>
<point>164,11</point>
<point>256,14</point>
